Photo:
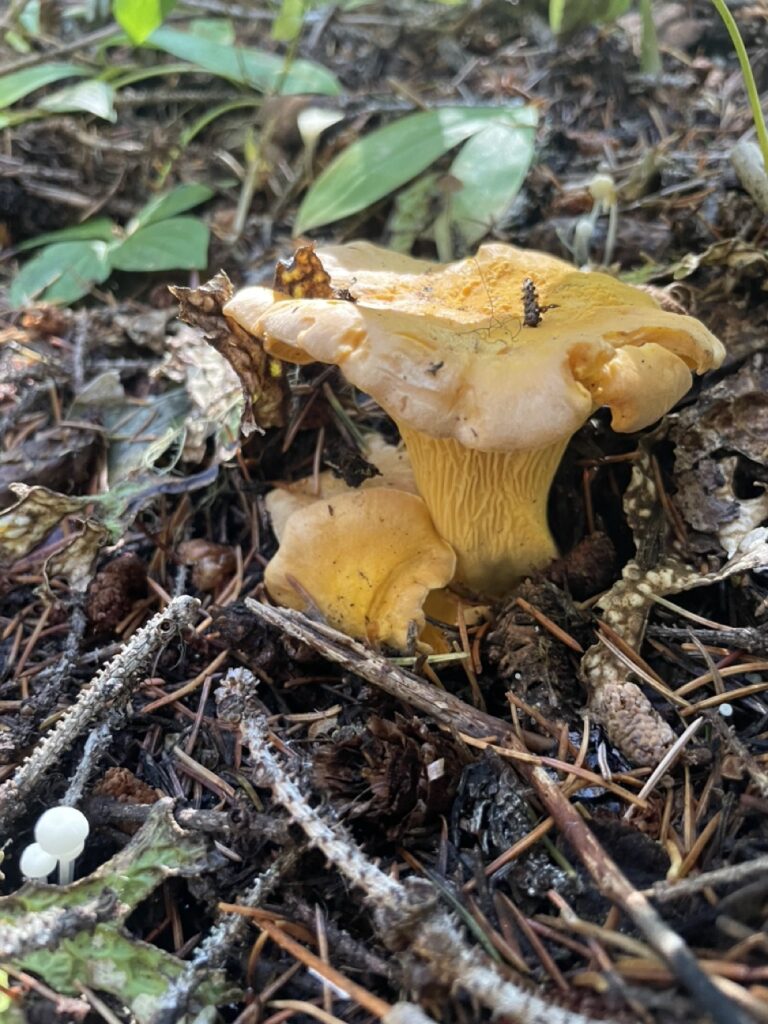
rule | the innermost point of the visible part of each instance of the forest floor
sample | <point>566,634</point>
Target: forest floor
<point>288,825</point>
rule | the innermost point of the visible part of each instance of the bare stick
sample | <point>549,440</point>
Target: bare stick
<point>108,691</point>
<point>455,714</point>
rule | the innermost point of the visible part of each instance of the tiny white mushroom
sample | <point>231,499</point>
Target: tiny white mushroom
<point>61,832</point>
<point>35,863</point>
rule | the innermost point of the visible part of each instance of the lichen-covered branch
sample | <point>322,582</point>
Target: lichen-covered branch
<point>407,918</point>
<point>45,929</point>
<point>109,690</point>
<point>628,717</point>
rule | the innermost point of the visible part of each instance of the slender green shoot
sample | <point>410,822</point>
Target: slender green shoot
<point>749,79</point>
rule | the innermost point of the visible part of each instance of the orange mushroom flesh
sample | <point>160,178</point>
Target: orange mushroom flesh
<point>488,366</point>
<point>367,560</point>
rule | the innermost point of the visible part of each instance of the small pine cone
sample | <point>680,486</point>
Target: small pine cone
<point>114,590</point>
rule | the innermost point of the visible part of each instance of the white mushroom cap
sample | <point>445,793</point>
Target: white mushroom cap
<point>36,863</point>
<point>62,831</point>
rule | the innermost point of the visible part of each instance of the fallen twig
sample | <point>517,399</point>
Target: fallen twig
<point>109,690</point>
<point>455,714</point>
<point>405,914</point>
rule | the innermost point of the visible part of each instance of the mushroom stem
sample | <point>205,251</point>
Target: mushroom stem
<point>490,506</point>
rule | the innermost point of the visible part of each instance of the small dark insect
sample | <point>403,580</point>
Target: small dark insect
<point>532,311</point>
<point>434,367</point>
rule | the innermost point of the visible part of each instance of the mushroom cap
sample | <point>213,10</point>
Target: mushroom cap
<point>35,862</point>
<point>61,831</point>
<point>366,559</point>
<point>391,461</point>
<point>443,349</point>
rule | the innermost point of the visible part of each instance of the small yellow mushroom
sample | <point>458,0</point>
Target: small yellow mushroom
<point>488,366</point>
<point>367,559</point>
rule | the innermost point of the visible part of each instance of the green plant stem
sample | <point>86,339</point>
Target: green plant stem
<point>749,79</point>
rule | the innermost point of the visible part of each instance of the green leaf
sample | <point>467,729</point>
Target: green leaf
<point>379,163</point>
<point>491,166</point>
<point>180,243</point>
<point>567,16</point>
<point>93,97</point>
<point>179,199</point>
<point>61,273</point>
<point>556,12</point>
<point>221,30</point>
<point>257,69</point>
<point>101,228</point>
<point>19,84</point>
<point>140,18</point>
<point>289,20</point>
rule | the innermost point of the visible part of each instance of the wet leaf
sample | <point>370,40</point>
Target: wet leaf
<point>76,562</point>
<point>260,377</point>
<point>381,162</point>
<point>737,255</point>
<point>29,521</point>
<point>19,84</point>
<point>179,243</point>
<point>214,391</point>
<point>61,273</point>
<point>93,97</point>
<point>257,69</point>
<point>139,433</point>
<point>60,459</point>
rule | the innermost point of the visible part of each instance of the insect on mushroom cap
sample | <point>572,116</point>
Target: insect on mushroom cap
<point>444,349</point>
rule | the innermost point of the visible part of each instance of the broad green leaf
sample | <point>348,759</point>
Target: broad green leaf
<point>101,228</point>
<point>179,199</point>
<point>221,30</point>
<point>257,69</point>
<point>19,84</point>
<point>93,97</point>
<point>180,243</point>
<point>381,162</point>
<point>61,273</point>
<point>140,18</point>
<point>491,166</point>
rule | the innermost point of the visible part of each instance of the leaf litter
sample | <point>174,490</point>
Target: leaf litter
<point>502,855</point>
